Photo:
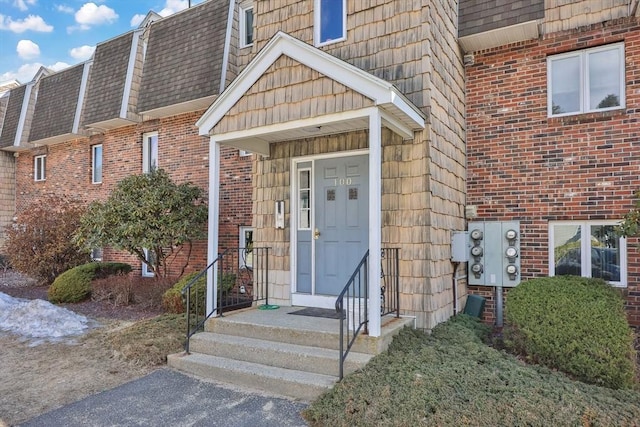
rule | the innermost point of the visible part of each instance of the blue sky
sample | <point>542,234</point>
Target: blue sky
<point>61,33</point>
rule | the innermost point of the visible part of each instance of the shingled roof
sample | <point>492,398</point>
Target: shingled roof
<point>55,111</point>
<point>477,16</point>
<point>12,116</point>
<point>184,58</point>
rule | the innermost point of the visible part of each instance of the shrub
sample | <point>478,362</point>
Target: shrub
<point>74,285</point>
<point>573,324</point>
<point>174,302</point>
<point>38,243</point>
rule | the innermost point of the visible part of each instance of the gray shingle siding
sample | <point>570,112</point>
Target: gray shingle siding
<point>107,80</point>
<point>477,16</point>
<point>12,116</point>
<point>56,106</point>
<point>184,56</point>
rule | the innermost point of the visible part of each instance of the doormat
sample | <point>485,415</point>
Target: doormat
<point>318,312</point>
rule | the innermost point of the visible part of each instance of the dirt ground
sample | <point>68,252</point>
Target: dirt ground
<point>35,380</point>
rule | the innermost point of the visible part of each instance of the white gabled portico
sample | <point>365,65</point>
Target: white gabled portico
<point>255,128</point>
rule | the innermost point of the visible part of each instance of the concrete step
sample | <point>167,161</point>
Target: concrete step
<point>292,383</point>
<point>279,354</point>
<point>312,332</point>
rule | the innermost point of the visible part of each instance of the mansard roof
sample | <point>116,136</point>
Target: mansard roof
<point>12,116</point>
<point>184,61</point>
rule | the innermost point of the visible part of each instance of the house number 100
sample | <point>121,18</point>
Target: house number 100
<point>342,181</point>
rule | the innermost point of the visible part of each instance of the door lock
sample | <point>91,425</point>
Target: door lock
<point>316,234</point>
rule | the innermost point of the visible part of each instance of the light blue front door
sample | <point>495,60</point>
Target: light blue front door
<point>341,223</point>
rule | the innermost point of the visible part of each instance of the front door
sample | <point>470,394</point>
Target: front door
<point>333,210</point>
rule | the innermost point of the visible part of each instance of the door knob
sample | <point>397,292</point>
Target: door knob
<point>316,234</point>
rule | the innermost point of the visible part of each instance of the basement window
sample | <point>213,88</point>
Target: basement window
<point>586,81</point>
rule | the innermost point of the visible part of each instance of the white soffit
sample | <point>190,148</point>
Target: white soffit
<point>500,37</point>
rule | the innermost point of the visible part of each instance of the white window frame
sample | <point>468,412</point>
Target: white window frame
<point>585,99</point>
<point>146,272</point>
<point>299,191</point>
<point>585,248</point>
<point>244,29</point>
<point>246,258</point>
<point>40,168</point>
<point>147,153</point>
<point>96,254</point>
<point>94,178</point>
<point>317,21</point>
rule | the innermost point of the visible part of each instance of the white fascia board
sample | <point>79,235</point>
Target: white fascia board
<point>227,45</point>
<point>380,91</point>
<point>81,94</point>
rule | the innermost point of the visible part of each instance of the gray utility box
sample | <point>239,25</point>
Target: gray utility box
<point>494,253</point>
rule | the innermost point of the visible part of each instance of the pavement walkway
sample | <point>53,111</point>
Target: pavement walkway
<point>168,398</point>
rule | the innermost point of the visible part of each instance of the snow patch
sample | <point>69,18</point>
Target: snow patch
<point>39,321</point>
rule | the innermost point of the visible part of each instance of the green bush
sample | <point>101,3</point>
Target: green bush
<point>174,302</point>
<point>74,285</point>
<point>573,324</point>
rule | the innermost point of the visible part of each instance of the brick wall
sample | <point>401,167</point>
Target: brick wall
<point>525,166</point>
<point>182,153</point>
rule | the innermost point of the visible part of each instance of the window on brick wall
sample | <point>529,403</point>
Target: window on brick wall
<point>96,164</point>
<point>149,152</point>
<point>146,270</point>
<point>588,249</point>
<point>246,25</point>
<point>330,21</point>
<point>40,168</point>
<point>96,254</point>
<point>586,81</point>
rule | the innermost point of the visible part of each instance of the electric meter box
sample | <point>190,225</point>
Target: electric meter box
<point>494,253</point>
<point>459,246</point>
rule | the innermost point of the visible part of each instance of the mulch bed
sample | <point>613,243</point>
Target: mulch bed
<point>18,286</point>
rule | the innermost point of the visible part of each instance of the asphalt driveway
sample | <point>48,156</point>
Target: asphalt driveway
<point>169,398</point>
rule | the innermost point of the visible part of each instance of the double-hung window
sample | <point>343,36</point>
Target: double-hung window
<point>40,168</point>
<point>246,25</point>
<point>149,152</point>
<point>330,21</point>
<point>588,249</point>
<point>96,164</point>
<point>586,81</point>
<point>149,256</point>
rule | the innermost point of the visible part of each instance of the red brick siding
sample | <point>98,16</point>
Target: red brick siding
<point>181,152</point>
<point>525,166</point>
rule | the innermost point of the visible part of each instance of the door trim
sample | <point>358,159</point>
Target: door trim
<point>307,299</point>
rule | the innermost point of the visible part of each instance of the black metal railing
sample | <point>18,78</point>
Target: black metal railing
<point>354,299</point>
<point>243,279</point>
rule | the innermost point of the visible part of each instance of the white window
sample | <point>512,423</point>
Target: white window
<point>304,199</point>
<point>586,81</point>
<point>96,164</point>
<point>146,270</point>
<point>330,21</point>
<point>246,25</point>
<point>588,249</point>
<point>40,168</point>
<point>246,246</point>
<point>149,152</point>
<point>96,254</point>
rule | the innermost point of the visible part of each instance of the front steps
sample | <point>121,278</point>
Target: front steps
<point>273,351</point>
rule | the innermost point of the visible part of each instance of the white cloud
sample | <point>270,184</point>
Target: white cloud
<point>30,23</point>
<point>27,49</point>
<point>26,72</point>
<point>137,19</point>
<point>64,9</point>
<point>173,6</point>
<point>23,5</point>
<point>82,53</point>
<point>91,14</point>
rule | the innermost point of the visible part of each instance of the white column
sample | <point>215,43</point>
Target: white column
<point>214,220</point>
<point>375,221</point>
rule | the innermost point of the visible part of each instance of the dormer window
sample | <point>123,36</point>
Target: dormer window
<point>246,25</point>
<point>330,21</point>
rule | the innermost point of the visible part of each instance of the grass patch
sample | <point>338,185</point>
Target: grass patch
<point>452,378</point>
<point>148,342</point>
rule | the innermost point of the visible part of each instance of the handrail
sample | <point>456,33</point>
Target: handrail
<point>356,295</point>
<point>243,279</point>
<point>348,294</point>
